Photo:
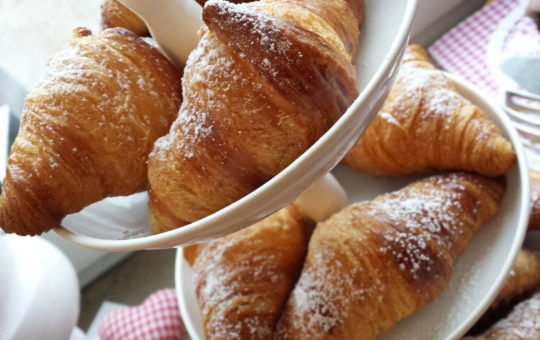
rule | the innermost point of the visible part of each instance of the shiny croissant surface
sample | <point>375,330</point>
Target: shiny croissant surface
<point>267,79</point>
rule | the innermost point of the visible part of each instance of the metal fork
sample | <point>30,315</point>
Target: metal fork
<point>524,110</point>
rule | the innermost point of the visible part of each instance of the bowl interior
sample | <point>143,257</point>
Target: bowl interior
<point>121,224</point>
<point>478,274</point>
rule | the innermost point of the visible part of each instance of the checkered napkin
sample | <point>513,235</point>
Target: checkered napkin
<point>157,318</point>
<point>470,48</point>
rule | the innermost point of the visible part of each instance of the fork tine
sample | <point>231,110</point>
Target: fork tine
<point>527,101</point>
<point>524,94</point>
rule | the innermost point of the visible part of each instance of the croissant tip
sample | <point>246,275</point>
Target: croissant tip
<point>80,32</point>
<point>216,8</point>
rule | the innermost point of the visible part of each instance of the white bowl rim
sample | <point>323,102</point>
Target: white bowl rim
<point>182,304</point>
<point>521,227</point>
<point>291,173</point>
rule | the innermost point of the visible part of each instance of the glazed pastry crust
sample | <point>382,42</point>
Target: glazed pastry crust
<point>426,125</point>
<point>87,129</point>
<point>376,262</point>
<point>267,79</point>
<point>243,279</point>
<point>114,14</point>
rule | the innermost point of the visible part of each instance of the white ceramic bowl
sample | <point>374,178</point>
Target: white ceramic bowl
<point>39,290</point>
<point>478,274</point>
<point>121,224</point>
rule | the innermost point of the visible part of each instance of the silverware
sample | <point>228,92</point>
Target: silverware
<point>524,110</point>
<point>524,70</point>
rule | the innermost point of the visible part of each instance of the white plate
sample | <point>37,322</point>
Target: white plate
<point>478,274</point>
<point>121,224</point>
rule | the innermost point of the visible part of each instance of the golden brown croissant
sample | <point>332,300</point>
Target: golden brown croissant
<point>523,323</point>
<point>376,262</point>
<point>534,218</point>
<point>114,14</point>
<point>524,279</point>
<point>87,129</point>
<point>267,79</point>
<point>243,279</point>
<point>426,125</point>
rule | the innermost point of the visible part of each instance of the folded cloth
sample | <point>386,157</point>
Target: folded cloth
<point>475,47</point>
<point>157,318</point>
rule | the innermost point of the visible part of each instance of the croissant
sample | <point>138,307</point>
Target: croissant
<point>267,79</point>
<point>523,323</point>
<point>426,125</point>
<point>243,279</point>
<point>114,14</point>
<point>376,262</point>
<point>87,129</point>
<point>534,218</point>
<point>524,279</point>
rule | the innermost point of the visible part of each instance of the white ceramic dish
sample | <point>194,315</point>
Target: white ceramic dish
<point>478,274</point>
<point>121,224</point>
<point>39,290</point>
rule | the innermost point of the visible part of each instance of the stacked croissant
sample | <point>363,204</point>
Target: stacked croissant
<point>268,78</point>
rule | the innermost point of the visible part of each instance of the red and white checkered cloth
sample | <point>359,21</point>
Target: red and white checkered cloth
<point>157,318</point>
<point>471,48</point>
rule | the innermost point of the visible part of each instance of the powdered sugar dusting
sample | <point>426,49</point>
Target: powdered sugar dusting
<point>106,91</point>
<point>423,215</point>
<point>325,291</point>
<point>224,293</point>
<point>196,127</point>
<point>436,91</point>
<point>434,210</point>
<point>212,73</point>
<point>262,28</point>
<point>388,117</point>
